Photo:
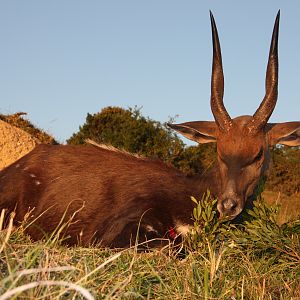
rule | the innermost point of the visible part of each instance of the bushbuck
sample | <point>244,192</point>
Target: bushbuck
<point>111,195</point>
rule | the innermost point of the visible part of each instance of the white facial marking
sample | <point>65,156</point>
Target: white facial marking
<point>32,175</point>
<point>37,182</point>
<point>151,229</point>
<point>182,229</point>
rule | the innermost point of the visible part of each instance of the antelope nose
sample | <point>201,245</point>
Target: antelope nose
<point>228,207</point>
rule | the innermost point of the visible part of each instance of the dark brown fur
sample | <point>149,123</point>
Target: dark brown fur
<point>112,192</point>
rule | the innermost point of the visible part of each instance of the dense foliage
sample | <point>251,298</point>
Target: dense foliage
<point>129,130</point>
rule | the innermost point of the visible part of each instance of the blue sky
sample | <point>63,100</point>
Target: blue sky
<point>60,60</point>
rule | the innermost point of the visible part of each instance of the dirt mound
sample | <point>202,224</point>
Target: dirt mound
<point>14,143</point>
<point>18,137</point>
<point>18,121</point>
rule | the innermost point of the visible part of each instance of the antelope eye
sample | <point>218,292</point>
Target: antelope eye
<point>258,156</point>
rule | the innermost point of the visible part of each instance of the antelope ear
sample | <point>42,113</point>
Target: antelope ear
<point>284,133</point>
<point>199,131</point>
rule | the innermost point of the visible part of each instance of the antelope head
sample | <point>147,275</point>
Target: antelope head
<point>243,142</point>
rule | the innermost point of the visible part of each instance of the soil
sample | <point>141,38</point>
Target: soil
<point>14,143</point>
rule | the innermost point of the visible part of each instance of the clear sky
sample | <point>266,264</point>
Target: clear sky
<point>61,59</point>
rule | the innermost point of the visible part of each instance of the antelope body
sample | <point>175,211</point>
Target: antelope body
<point>111,195</point>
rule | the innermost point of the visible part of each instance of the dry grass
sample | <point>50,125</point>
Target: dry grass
<point>290,205</point>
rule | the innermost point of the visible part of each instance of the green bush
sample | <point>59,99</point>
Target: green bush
<point>257,231</point>
<point>127,129</point>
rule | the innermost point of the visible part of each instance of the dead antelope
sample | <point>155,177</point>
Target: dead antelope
<point>115,193</point>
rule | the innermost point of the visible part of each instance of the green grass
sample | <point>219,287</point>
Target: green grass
<point>257,259</point>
